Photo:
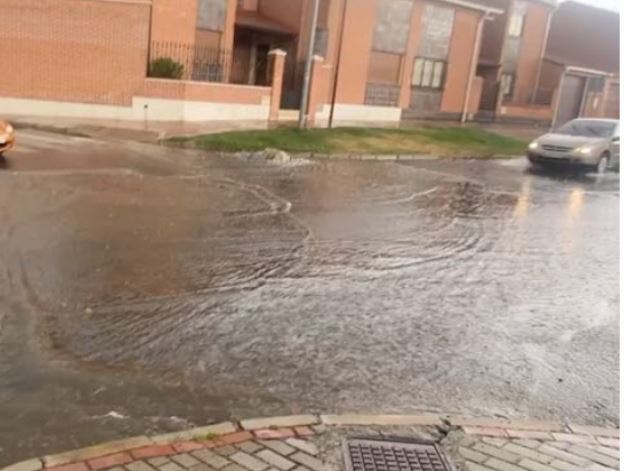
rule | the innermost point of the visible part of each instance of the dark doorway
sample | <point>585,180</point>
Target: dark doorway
<point>570,99</point>
<point>261,65</point>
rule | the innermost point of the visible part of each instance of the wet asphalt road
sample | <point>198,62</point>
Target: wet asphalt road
<point>144,289</point>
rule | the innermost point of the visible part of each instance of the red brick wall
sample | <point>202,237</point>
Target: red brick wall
<point>461,48</point>
<point>551,74</point>
<point>204,91</point>
<point>530,55</point>
<point>356,50</point>
<point>174,20</point>
<point>89,51</point>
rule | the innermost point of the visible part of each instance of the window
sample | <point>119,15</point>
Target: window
<point>428,73</point>
<point>385,67</point>
<point>507,85</point>
<point>516,24</point>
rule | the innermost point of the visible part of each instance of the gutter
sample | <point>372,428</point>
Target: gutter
<point>551,3</point>
<point>578,69</point>
<point>475,6</point>
<point>585,71</point>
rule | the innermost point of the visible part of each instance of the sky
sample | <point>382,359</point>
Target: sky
<point>610,4</point>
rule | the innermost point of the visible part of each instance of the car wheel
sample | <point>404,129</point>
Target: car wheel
<point>603,163</point>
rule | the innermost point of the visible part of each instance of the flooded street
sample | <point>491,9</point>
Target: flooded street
<point>143,289</point>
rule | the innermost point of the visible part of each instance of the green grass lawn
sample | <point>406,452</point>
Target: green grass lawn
<point>443,141</point>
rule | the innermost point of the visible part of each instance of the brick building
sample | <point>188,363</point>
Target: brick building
<point>549,62</point>
<point>582,62</point>
<point>376,60</point>
<point>395,58</point>
<point>511,61</point>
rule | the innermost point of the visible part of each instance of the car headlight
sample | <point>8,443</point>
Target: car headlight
<point>584,150</point>
<point>533,145</point>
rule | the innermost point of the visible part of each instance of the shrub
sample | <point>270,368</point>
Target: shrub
<point>165,67</point>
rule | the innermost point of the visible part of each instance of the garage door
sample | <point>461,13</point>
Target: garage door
<point>570,98</point>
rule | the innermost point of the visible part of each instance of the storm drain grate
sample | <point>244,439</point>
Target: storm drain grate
<point>381,455</point>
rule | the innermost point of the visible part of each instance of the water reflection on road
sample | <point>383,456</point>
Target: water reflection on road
<point>172,288</point>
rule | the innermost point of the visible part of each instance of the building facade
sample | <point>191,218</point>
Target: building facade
<point>379,61</point>
<point>582,62</point>
<point>511,61</point>
<point>389,60</point>
<point>547,62</point>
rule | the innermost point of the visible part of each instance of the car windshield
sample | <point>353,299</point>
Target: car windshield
<point>588,128</point>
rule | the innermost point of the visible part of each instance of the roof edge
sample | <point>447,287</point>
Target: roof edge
<point>475,6</point>
<point>587,71</point>
<point>551,3</point>
<point>576,68</point>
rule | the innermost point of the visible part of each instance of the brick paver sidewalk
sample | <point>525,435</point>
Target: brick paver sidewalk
<point>314,443</point>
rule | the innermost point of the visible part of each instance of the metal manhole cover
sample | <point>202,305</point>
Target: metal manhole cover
<point>381,455</point>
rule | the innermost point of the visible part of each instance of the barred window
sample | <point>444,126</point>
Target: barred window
<point>428,73</point>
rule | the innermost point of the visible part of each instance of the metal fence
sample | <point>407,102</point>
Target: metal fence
<point>190,62</point>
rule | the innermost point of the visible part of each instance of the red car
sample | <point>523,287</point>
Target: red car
<point>7,136</point>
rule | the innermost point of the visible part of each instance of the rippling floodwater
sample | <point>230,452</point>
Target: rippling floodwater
<point>143,290</point>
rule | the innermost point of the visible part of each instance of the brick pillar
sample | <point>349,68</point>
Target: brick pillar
<point>276,65</point>
<point>228,38</point>
<point>318,89</point>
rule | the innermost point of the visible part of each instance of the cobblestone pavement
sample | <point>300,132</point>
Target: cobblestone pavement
<point>314,443</point>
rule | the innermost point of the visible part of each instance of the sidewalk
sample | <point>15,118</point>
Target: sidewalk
<point>315,443</point>
<point>149,131</point>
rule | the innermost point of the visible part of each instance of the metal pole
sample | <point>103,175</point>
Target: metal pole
<point>538,74</point>
<point>558,99</point>
<point>338,65</point>
<point>474,65</point>
<point>308,68</point>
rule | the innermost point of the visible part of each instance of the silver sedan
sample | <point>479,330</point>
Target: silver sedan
<point>589,142</point>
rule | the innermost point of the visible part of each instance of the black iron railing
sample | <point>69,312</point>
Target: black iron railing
<point>189,62</point>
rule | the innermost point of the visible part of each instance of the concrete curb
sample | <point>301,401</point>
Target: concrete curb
<point>363,157</point>
<point>66,131</point>
<point>357,157</point>
<point>92,131</point>
<point>228,433</point>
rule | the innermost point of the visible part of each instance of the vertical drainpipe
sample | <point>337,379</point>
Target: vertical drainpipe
<point>305,92</point>
<point>544,44</point>
<point>558,99</point>
<point>474,65</point>
<point>150,38</point>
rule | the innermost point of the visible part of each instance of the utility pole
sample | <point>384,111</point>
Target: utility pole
<point>308,68</point>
